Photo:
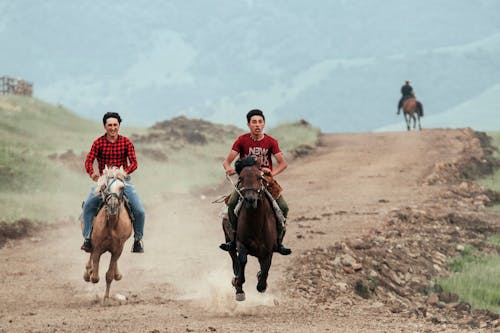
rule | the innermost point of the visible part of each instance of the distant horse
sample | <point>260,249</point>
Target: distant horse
<point>412,109</point>
<point>111,227</point>
<point>256,232</point>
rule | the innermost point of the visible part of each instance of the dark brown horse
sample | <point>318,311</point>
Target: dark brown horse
<point>111,227</point>
<point>256,232</point>
<point>412,111</point>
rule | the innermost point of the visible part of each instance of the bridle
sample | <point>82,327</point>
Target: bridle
<point>112,209</point>
<point>258,190</point>
<point>240,190</point>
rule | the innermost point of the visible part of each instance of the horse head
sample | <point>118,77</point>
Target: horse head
<point>250,182</point>
<point>111,187</point>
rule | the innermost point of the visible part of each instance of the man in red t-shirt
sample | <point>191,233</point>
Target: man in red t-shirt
<point>262,147</point>
<point>112,149</point>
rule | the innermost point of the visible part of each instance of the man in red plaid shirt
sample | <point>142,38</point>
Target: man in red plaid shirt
<point>112,149</point>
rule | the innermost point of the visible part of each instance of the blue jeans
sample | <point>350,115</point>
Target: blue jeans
<point>92,202</point>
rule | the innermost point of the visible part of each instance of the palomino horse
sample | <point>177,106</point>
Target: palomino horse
<point>111,227</point>
<point>411,110</point>
<point>256,232</point>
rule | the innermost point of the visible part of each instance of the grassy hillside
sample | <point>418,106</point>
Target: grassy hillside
<point>475,277</point>
<point>34,186</point>
<point>42,149</point>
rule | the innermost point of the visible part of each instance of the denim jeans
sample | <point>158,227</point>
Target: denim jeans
<point>92,202</point>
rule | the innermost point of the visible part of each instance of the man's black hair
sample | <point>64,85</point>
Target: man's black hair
<point>255,112</point>
<point>111,115</point>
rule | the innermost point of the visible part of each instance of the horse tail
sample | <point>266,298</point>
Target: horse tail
<point>420,108</point>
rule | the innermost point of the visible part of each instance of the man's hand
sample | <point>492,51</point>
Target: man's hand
<point>230,172</point>
<point>267,171</point>
<point>94,176</point>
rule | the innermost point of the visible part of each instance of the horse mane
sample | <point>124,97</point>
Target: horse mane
<point>247,161</point>
<point>113,172</point>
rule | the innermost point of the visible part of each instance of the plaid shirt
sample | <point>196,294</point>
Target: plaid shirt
<point>111,154</point>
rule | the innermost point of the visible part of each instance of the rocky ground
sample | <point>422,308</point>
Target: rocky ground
<point>374,218</point>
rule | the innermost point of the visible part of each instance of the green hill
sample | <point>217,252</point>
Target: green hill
<point>35,186</point>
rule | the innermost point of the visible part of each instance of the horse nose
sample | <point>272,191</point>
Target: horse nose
<point>113,204</point>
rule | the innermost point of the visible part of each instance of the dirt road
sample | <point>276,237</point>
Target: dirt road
<point>182,282</point>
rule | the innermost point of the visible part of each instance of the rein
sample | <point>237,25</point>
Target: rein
<point>235,186</point>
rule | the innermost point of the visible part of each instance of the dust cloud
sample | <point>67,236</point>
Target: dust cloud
<point>182,260</point>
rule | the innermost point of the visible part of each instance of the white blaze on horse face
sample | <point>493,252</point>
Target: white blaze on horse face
<point>116,187</point>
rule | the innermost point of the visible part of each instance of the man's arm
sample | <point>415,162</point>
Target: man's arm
<point>227,163</point>
<point>132,158</point>
<point>89,161</point>
<point>280,158</point>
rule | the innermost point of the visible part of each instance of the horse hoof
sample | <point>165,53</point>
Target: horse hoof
<point>261,288</point>
<point>86,277</point>
<point>94,280</point>
<point>240,297</point>
<point>118,277</point>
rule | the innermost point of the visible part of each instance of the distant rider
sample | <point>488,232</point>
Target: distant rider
<point>407,92</point>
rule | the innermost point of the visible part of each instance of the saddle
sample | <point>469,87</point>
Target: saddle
<point>272,186</point>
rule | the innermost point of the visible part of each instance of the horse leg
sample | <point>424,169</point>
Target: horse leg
<point>265,265</point>
<point>95,257</point>
<point>240,277</point>
<point>88,270</point>
<point>407,119</point>
<point>419,125</point>
<point>236,263</point>
<point>118,276</point>
<point>111,273</point>
<point>414,120</point>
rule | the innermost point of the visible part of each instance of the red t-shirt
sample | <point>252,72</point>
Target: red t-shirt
<point>263,149</point>
<point>118,153</point>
